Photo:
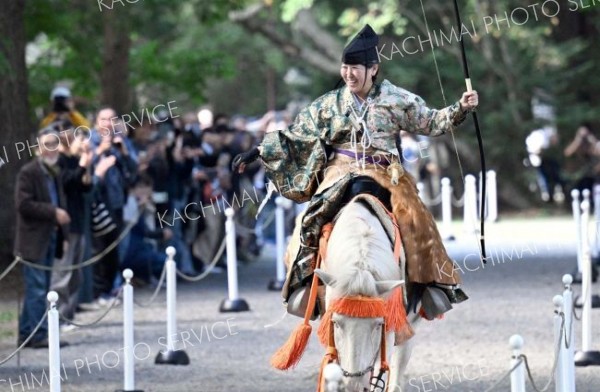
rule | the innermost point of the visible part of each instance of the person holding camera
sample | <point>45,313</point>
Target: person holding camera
<point>63,108</point>
<point>114,171</point>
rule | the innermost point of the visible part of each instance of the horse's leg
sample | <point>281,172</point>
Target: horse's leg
<point>400,357</point>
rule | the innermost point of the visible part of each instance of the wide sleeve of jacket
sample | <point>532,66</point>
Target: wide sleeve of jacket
<point>413,115</point>
<point>27,199</point>
<point>294,157</point>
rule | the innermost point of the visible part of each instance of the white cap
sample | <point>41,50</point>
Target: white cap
<point>60,92</point>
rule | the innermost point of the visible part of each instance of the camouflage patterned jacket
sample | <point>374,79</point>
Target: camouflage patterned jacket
<point>294,157</point>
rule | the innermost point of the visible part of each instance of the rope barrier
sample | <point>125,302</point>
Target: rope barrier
<point>436,200</point>
<point>37,327</point>
<point>564,330</point>
<point>497,383</point>
<point>92,260</point>
<point>114,303</point>
<point>523,358</point>
<point>556,357</point>
<point>208,269</point>
<point>159,286</point>
<point>575,316</point>
<point>10,267</point>
<point>458,202</point>
<point>575,298</point>
<point>241,229</point>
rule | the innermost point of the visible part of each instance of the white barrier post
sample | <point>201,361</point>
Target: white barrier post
<point>597,217</point>
<point>170,356</point>
<point>53,343</point>
<point>577,218</point>
<point>233,303</point>
<point>421,191</point>
<point>128,341</point>
<point>281,205</point>
<point>447,209</point>
<point>517,377</point>
<point>470,204</point>
<point>492,197</point>
<point>584,247</point>
<point>586,195</point>
<point>586,356</point>
<point>568,360</point>
<point>595,300</point>
<point>558,340</point>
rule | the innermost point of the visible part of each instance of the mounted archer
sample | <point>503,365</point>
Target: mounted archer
<point>347,143</point>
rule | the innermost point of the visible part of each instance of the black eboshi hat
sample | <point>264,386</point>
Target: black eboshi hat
<point>363,48</point>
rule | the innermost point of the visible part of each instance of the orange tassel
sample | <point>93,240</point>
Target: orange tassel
<point>396,317</point>
<point>291,352</point>
<point>323,331</point>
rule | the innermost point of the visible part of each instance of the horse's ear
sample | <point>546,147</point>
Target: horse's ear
<point>326,278</point>
<point>385,286</point>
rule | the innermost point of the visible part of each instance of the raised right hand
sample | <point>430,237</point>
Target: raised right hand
<point>104,164</point>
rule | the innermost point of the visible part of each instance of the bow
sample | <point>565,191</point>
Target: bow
<point>475,121</point>
<point>477,132</point>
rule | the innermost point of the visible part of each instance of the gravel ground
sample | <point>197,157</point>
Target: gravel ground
<point>467,351</point>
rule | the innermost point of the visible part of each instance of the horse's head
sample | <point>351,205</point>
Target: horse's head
<point>356,325</point>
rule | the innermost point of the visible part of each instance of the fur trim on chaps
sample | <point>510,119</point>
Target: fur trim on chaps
<point>426,257</point>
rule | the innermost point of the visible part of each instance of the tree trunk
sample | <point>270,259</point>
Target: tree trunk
<point>14,110</point>
<point>114,75</point>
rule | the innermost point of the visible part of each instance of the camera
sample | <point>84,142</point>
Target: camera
<point>60,104</point>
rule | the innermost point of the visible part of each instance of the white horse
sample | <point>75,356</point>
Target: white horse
<point>360,263</point>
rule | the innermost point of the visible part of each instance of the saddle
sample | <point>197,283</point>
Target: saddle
<point>365,190</point>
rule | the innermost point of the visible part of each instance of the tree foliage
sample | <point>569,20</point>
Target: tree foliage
<point>236,54</point>
<point>170,55</point>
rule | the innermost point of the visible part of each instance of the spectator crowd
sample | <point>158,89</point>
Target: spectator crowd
<point>559,169</point>
<point>111,191</point>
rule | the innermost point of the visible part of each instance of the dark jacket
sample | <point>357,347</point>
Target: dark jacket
<point>74,188</point>
<point>36,215</point>
<point>113,187</point>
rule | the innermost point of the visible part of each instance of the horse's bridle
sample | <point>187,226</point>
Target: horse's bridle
<point>332,356</point>
<point>363,372</point>
<point>377,382</point>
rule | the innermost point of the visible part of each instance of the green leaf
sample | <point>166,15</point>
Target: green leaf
<point>291,7</point>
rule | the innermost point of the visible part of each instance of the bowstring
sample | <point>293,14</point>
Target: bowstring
<point>439,77</point>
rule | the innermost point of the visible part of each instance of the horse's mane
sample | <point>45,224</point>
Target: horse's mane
<point>359,252</point>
